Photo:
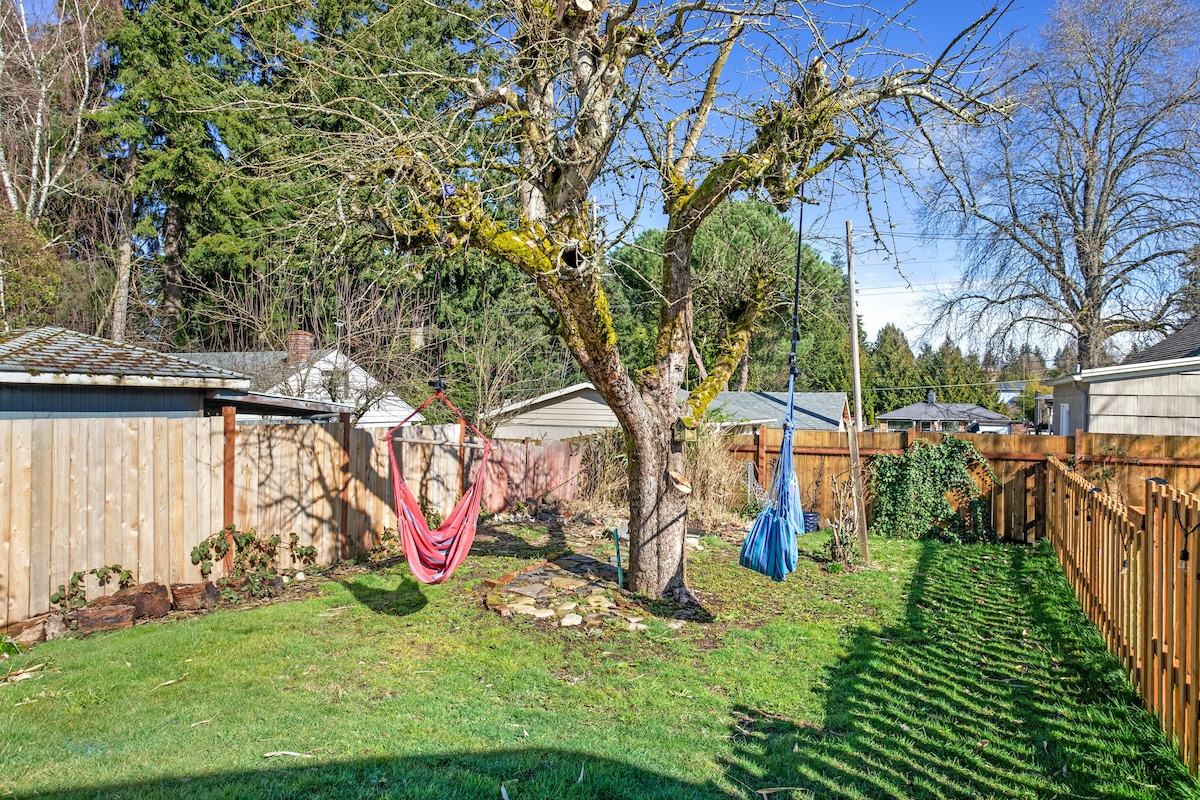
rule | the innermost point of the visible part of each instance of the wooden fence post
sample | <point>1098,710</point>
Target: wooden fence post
<point>760,455</point>
<point>229,425</point>
<point>344,514</point>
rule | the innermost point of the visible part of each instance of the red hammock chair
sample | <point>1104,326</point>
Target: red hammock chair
<point>433,555</point>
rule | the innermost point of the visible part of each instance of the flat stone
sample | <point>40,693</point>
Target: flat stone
<point>599,601</point>
<point>570,621</point>
<point>529,590</point>
<point>594,619</point>
<point>676,624</point>
<point>637,626</point>
<point>536,613</point>
<point>566,608</point>
<point>635,619</point>
<point>567,583</point>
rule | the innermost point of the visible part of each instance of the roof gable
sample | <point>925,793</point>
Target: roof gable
<point>958,412</point>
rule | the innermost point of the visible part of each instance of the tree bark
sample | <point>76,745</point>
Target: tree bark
<point>657,512</point>
<point>124,273</point>
<point>172,267</point>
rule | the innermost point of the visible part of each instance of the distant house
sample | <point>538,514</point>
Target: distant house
<point>579,410</point>
<point>1154,392</point>
<point>931,415</point>
<point>55,372</point>
<point>326,375</point>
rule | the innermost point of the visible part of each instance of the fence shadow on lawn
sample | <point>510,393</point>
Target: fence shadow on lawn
<point>995,685</point>
<point>989,687</point>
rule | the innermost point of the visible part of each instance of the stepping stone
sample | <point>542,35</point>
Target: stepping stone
<point>676,624</point>
<point>570,621</point>
<point>566,608</point>
<point>594,619</point>
<point>567,583</point>
<point>637,626</point>
<point>536,613</point>
<point>529,590</point>
<point>599,601</point>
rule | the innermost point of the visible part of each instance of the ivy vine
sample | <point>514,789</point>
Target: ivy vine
<point>929,492</point>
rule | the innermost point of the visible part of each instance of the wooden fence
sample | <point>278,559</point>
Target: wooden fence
<point>1136,577</point>
<point>76,494</point>
<point>1016,501</point>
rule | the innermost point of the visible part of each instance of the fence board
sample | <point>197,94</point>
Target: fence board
<point>6,529</point>
<point>40,498</point>
<point>60,503</point>
<point>19,519</point>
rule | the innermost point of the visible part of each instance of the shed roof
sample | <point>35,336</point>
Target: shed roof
<point>815,411</point>
<point>958,412</point>
<point>1183,343</point>
<point>58,355</point>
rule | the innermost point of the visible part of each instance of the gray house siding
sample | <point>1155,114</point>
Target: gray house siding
<point>31,401</point>
<point>1071,401</point>
<point>582,414</point>
<point>1160,405</point>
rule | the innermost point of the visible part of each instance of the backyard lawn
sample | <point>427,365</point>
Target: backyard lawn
<point>944,672</point>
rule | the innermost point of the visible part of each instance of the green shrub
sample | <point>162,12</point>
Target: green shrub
<point>929,491</point>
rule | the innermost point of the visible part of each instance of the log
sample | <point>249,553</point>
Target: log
<point>150,599</point>
<point>29,632</point>
<point>104,618</point>
<point>195,596</point>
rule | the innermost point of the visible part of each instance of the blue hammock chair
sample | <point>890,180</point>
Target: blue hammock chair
<point>770,547</point>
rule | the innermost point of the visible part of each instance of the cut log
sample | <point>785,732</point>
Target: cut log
<point>104,618</point>
<point>56,627</point>
<point>195,596</point>
<point>150,599</point>
<point>29,632</point>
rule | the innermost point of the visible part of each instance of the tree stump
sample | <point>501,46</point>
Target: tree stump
<point>195,596</point>
<point>104,618</point>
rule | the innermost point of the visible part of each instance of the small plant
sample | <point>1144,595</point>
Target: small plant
<point>9,647</point>
<point>253,558</point>
<point>841,548</point>
<point>305,554</point>
<point>73,595</point>
<point>929,491</point>
<point>433,517</point>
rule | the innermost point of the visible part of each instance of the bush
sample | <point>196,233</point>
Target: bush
<point>930,491</point>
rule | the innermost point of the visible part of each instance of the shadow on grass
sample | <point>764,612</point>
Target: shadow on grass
<point>995,685</point>
<point>495,540</point>
<point>533,773</point>
<point>407,598</point>
<point>992,686</point>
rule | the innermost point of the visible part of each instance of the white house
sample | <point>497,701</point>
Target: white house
<point>326,375</point>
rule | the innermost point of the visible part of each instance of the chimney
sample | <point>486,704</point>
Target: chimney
<point>931,397</point>
<point>299,347</point>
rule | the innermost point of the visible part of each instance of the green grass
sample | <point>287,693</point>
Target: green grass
<point>946,672</point>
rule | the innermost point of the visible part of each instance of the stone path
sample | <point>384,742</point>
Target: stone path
<point>572,590</point>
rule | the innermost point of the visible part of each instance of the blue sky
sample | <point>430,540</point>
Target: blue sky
<point>898,290</point>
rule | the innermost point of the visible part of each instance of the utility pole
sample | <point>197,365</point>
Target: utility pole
<point>854,362</point>
<point>856,425</point>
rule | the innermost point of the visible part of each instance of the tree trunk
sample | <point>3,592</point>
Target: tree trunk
<point>657,512</point>
<point>124,273</point>
<point>172,268</point>
<point>744,377</point>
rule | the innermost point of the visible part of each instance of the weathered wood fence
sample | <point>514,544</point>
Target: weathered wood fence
<point>1016,502</point>
<point>76,494</point>
<point>1136,576</point>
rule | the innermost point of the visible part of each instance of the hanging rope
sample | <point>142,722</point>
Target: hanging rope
<point>770,547</point>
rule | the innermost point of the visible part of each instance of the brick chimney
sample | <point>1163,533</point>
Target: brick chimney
<point>299,347</point>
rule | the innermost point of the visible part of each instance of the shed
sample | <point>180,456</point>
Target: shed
<point>55,372</point>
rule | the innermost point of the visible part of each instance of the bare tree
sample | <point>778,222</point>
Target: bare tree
<point>1078,214</point>
<point>48,85</point>
<point>593,97</point>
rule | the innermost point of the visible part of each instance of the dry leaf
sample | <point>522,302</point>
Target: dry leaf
<point>503,792</point>
<point>168,683</point>
<point>275,753</point>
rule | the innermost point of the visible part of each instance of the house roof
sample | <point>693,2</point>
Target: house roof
<point>58,356</point>
<point>814,411</point>
<point>1135,370</point>
<point>511,408</point>
<point>1183,343</point>
<point>957,412</point>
